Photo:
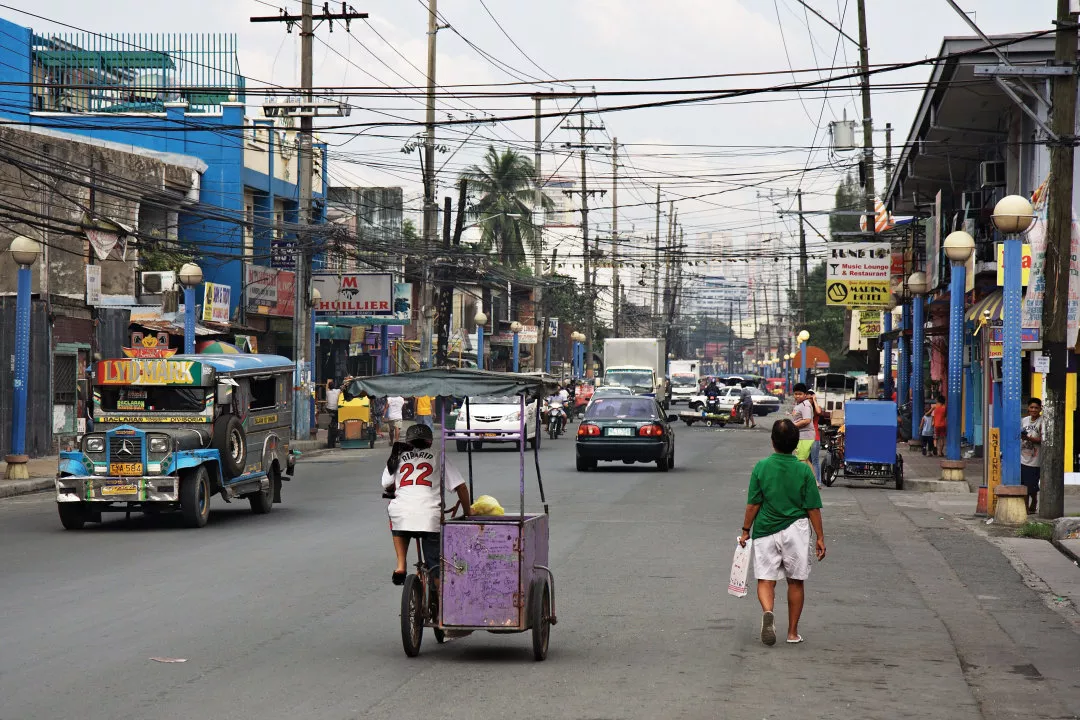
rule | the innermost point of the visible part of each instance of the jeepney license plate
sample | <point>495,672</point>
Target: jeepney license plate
<point>125,469</point>
<point>625,432</point>
<point>120,490</point>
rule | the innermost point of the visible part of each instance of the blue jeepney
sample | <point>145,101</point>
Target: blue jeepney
<point>170,433</point>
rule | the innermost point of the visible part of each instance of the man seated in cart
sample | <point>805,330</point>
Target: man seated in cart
<point>411,477</point>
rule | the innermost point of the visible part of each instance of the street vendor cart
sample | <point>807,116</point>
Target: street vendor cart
<point>494,573</point>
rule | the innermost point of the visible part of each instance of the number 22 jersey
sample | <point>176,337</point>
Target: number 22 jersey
<point>415,507</point>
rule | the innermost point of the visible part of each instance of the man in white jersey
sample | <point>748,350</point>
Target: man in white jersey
<point>411,476</point>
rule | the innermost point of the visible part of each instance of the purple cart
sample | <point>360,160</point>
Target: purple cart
<point>494,571</point>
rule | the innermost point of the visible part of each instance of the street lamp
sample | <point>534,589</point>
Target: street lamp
<point>578,358</point>
<point>316,296</point>
<point>190,278</point>
<point>917,286</point>
<point>1013,215</point>
<point>958,248</point>
<point>24,252</point>
<point>903,356</point>
<point>788,357</point>
<point>516,327</point>
<point>803,337</point>
<point>481,320</point>
<point>886,346</point>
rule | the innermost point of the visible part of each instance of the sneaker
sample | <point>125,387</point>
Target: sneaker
<point>768,629</point>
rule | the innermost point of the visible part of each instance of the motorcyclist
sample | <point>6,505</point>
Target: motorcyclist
<point>556,404</point>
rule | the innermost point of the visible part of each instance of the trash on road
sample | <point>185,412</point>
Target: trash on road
<point>169,660</point>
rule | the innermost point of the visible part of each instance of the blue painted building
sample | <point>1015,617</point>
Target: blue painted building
<point>175,93</point>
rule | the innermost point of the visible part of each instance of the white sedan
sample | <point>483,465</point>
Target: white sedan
<point>492,415</point>
<point>729,396</point>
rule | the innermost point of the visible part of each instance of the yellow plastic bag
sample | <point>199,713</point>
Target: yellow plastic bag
<point>486,505</point>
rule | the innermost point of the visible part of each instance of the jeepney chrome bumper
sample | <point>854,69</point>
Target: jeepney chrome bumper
<point>88,488</point>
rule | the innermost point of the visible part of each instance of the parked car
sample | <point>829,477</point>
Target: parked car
<point>729,396</point>
<point>630,429</point>
<point>492,414</point>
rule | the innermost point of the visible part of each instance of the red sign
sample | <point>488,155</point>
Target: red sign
<point>286,294</point>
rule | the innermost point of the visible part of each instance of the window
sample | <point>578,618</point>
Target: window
<point>143,398</point>
<point>65,372</point>
<point>263,393</point>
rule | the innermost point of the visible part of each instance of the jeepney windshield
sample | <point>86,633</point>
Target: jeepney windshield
<point>144,398</point>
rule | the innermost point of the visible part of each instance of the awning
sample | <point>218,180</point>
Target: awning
<point>992,303</point>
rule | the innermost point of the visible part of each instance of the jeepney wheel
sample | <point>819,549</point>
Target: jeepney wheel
<point>262,501</point>
<point>195,497</point>
<point>412,615</point>
<point>231,443</point>
<point>540,617</point>
<point>72,515</point>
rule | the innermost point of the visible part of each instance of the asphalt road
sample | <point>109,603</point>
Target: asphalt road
<point>292,615</point>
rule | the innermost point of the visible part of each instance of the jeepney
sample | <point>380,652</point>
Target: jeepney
<point>169,433</point>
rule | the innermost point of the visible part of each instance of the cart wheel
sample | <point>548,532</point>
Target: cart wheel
<point>708,423</point>
<point>688,422</point>
<point>412,615</point>
<point>540,617</point>
<point>898,472</point>
<point>828,473</point>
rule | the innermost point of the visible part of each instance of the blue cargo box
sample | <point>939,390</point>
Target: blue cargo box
<point>870,431</point>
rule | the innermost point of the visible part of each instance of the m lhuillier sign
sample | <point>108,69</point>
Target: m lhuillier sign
<point>857,275</point>
<point>354,295</point>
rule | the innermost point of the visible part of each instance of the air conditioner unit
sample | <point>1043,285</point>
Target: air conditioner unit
<point>992,173</point>
<point>972,201</point>
<point>155,283</point>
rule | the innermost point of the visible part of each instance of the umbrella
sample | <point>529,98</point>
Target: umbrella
<point>216,347</point>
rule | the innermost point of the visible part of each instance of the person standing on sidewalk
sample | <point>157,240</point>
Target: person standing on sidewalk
<point>941,425</point>
<point>803,417</point>
<point>782,504</point>
<point>815,449</point>
<point>1031,431</point>
<point>333,399</point>
<point>424,410</point>
<point>926,432</point>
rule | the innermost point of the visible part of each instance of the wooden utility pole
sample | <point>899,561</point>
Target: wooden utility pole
<point>872,360</point>
<point>589,290</point>
<point>615,290</point>
<point>802,263</point>
<point>656,261</point>
<point>1056,344</point>
<point>538,247</point>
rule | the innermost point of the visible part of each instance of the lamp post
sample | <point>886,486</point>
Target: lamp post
<point>958,248</point>
<point>481,320</point>
<point>190,278</point>
<point>886,346</point>
<point>917,287</point>
<point>515,327</point>
<point>902,355</point>
<point>803,337</point>
<point>24,252</point>
<point>788,358</point>
<point>1013,215</point>
<point>316,296</point>
<point>579,357</point>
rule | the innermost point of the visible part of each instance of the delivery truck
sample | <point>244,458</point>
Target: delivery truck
<point>638,364</point>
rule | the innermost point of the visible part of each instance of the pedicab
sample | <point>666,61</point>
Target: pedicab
<point>864,448</point>
<point>494,569</point>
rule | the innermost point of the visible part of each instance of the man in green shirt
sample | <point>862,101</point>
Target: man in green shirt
<point>781,505</point>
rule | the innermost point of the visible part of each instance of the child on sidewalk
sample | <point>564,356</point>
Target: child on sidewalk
<point>926,431</point>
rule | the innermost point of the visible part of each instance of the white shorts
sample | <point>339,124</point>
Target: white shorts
<point>784,554</point>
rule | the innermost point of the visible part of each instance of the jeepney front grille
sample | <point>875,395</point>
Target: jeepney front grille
<point>126,448</point>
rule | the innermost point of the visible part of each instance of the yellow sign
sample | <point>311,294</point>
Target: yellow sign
<point>120,490</point>
<point>1025,264</point>
<point>135,419</point>
<point>870,325</point>
<point>265,420</point>
<point>993,468</point>
<point>149,372</point>
<point>873,294</point>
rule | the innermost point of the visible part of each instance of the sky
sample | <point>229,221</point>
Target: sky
<point>728,165</point>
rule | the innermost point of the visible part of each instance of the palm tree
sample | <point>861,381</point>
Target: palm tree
<point>506,185</point>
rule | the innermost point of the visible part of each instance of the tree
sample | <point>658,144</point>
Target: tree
<point>849,196</point>
<point>506,182</point>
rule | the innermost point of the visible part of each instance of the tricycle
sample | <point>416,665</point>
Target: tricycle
<point>864,448</point>
<point>494,569</point>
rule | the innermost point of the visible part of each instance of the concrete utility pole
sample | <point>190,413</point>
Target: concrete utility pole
<point>615,290</point>
<point>888,154</point>
<point>802,263</point>
<point>589,290</point>
<point>539,359</point>
<point>1058,262</point>
<point>302,330</point>
<point>430,208</point>
<point>656,261</point>
<point>872,360</point>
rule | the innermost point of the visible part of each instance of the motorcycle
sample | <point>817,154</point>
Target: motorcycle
<point>556,420</point>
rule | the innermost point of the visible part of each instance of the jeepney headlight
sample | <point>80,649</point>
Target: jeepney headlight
<point>159,443</point>
<point>94,443</point>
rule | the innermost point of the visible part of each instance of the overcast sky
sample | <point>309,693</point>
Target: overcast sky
<point>705,149</point>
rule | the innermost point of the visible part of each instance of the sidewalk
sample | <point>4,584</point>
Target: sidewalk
<point>921,472</point>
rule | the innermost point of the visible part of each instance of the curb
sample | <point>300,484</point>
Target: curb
<point>1066,551</point>
<point>26,487</point>
<point>928,485</point>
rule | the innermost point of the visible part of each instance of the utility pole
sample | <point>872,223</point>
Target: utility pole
<point>1058,262</point>
<point>308,109</point>
<point>872,360</point>
<point>615,290</point>
<point>731,337</point>
<point>539,360</point>
<point>430,208</point>
<point>802,263</point>
<point>656,259</point>
<point>888,154</point>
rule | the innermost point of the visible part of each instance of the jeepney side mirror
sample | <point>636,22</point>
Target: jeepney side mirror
<point>224,395</point>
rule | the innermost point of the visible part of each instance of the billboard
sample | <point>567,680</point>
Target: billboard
<point>268,291</point>
<point>362,298</point>
<point>216,299</point>
<point>857,275</point>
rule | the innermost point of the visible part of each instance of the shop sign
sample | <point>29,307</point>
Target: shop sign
<point>527,336</point>
<point>149,372</point>
<point>1025,264</point>
<point>216,300</point>
<point>993,468</point>
<point>93,285</point>
<point>857,275</point>
<point>354,295</point>
<point>268,291</point>
<point>870,325</point>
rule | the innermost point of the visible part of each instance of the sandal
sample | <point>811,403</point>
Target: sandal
<point>398,578</point>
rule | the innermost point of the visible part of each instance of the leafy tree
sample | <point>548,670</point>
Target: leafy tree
<point>849,196</point>
<point>506,182</point>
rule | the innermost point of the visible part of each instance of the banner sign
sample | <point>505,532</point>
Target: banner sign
<point>354,295</point>
<point>93,284</point>
<point>1032,306</point>
<point>148,372</point>
<point>260,286</point>
<point>857,275</point>
<point>933,246</point>
<point>216,300</point>
<point>870,325</point>
<point>1025,264</point>
<point>527,336</point>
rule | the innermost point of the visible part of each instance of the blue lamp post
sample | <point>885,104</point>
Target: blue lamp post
<point>481,320</point>
<point>515,327</point>
<point>958,247</point>
<point>917,288</point>
<point>804,336</point>
<point>903,356</point>
<point>886,328</point>
<point>24,252</point>
<point>1012,217</point>
<point>316,296</point>
<point>190,278</point>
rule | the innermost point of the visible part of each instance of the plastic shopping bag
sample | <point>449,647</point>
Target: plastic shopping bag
<point>740,569</point>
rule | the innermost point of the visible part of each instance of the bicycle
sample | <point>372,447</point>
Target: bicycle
<point>419,606</point>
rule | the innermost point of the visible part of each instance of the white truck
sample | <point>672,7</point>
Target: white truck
<point>638,364</point>
<point>684,375</point>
